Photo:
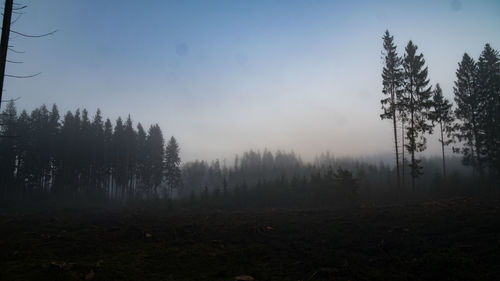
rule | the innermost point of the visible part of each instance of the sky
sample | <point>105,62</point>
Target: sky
<point>224,77</point>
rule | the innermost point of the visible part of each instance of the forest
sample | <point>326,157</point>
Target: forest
<point>153,195</point>
<point>80,157</point>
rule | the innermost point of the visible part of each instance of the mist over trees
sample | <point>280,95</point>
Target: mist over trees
<point>472,126</point>
<point>75,156</point>
<point>81,156</point>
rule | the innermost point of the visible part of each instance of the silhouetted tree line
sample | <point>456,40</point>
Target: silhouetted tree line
<point>416,109</point>
<point>76,156</point>
<point>266,179</point>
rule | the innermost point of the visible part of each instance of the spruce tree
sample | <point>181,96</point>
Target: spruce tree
<point>155,155</point>
<point>119,160</point>
<point>130,139</point>
<point>488,86</point>
<point>468,107</point>
<point>416,103</point>
<point>172,165</point>
<point>392,81</point>
<point>8,147</point>
<point>142,170</point>
<point>108,155</point>
<point>97,152</point>
<point>443,115</point>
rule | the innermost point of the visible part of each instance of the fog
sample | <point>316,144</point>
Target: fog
<point>225,77</point>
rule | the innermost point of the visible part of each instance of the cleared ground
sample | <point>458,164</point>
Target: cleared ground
<point>446,240</point>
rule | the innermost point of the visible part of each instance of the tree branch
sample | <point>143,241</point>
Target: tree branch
<point>33,36</point>
<point>22,76</point>
<point>19,8</point>
<point>16,51</point>
<point>12,61</point>
<point>9,100</point>
<point>16,19</point>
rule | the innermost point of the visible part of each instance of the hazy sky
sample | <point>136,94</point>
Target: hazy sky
<point>227,76</point>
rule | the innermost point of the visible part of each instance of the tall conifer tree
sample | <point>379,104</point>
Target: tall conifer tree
<point>172,165</point>
<point>488,86</point>
<point>443,115</point>
<point>468,107</point>
<point>416,103</point>
<point>392,81</point>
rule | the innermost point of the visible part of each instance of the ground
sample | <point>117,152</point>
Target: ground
<point>446,240</point>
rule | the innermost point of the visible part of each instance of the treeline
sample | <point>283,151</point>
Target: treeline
<point>265,179</point>
<point>76,156</point>
<point>416,109</point>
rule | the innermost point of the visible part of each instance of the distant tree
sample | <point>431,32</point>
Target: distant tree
<point>172,165</point>
<point>347,185</point>
<point>416,103</point>
<point>54,136</point>
<point>142,172</point>
<point>97,153</point>
<point>443,115</point>
<point>488,86</point>
<point>392,81</point>
<point>119,159</point>
<point>8,146</point>
<point>130,145</point>
<point>155,157</point>
<point>468,107</point>
<point>85,150</point>
<point>108,156</point>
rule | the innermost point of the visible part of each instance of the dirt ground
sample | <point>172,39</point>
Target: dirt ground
<point>446,240</point>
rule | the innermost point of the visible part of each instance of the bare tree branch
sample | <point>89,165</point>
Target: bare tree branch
<point>9,100</point>
<point>19,8</point>
<point>12,61</point>
<point>16,51</point>
<point>16,19</point>
<point>22,76</point>
<point>33,36</point>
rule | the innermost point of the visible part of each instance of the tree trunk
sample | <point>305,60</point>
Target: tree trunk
<point>413,145</point>
<point>403,152</point>
<point>442,148</point>
<point>398,179</point>
<point>4,43</point>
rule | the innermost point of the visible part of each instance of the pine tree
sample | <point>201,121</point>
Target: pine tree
<point>8,147</point>
<point>416,103</point>
<point>98,170</point>
<point>130,138</point>
<point>443,115</point>
<point>119,162</point>
<point>54,135</point>
<point>155,155</point>
<point>172,165</point>
<point>392,81</point>
<point>108,156</point>
<point>468,107</point>
<point>488,86</point>
<point>142,169</point>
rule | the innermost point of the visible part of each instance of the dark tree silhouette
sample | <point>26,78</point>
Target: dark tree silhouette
<point>78,157</point>
<point>8,147</point>
<point>443,115</point>
<point>488,86</point>
<point>416,103</point>
<point>155,155</point>
<point>392,81</point>
<point>468,107</point>
<point>172,165</point>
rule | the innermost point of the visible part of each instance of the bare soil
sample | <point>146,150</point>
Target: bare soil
<point>446,240</point>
